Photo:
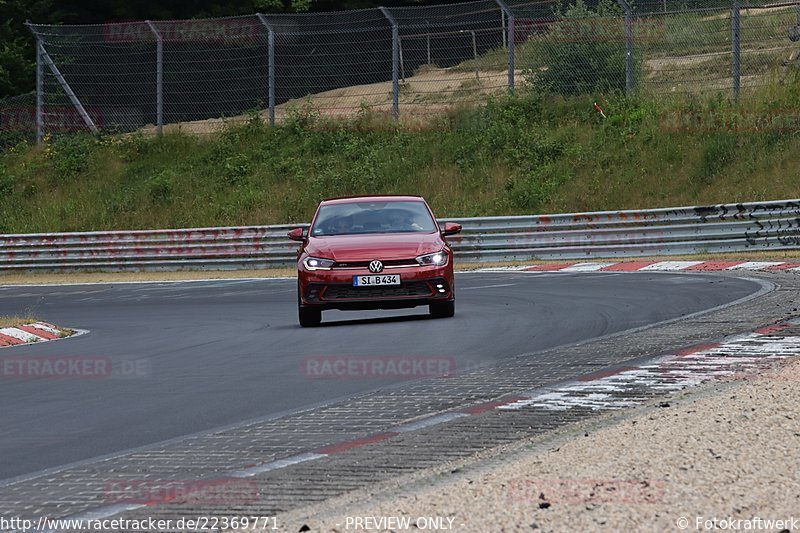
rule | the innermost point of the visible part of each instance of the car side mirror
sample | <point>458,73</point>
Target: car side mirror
<point>451,228</point>
<point>296,234</point>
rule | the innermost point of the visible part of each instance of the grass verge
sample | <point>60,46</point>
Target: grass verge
<point>528,154</point>
<point>12,321</point>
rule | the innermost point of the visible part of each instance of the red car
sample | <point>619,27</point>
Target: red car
<point>374,252</point>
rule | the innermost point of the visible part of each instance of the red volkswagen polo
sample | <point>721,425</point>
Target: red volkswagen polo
<point>374,252</point>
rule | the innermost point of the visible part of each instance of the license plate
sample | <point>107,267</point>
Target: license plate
<point>372,281</point>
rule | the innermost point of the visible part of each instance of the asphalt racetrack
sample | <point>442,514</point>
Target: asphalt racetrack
<point>190,357</point>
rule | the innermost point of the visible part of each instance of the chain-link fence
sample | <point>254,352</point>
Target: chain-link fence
<point>403,61</point>
<point>718,47</point>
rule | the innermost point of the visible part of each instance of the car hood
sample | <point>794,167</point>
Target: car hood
<point>382,246</point>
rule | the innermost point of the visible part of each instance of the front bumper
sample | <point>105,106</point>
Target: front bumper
<point>333,289</point>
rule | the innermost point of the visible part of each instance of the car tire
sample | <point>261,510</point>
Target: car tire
<point>443,309</point>
<point>309,317</point>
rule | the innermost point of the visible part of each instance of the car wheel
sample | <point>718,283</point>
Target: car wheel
<point>309,317</point>
<point>443,309</point>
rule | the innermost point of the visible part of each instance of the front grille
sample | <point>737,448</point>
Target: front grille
<point>365,264</point>
<point>348,292</point>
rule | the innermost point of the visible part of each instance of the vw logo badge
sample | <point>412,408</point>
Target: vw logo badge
<point>375,266</point>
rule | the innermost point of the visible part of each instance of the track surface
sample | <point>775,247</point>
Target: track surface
<point>221,352</point>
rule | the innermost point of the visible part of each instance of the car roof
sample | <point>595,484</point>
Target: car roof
<point>372,198</point>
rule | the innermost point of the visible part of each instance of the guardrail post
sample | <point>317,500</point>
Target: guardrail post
<point>395,62</point>
<point>270,67</point>
<point>509,41</point>
<point>39,94</point>
<point>735,51</point>
<point>159,79</point>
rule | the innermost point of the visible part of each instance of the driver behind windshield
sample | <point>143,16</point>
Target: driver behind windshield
<point>341,226</point>
<point>403,221</point>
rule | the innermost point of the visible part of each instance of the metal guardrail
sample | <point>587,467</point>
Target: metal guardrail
<point>672,231</point>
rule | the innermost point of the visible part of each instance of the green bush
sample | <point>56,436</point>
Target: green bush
<point>160,186</point>
<point>7,182</point>
<point>235,169</point>
<point>535,189</point>
<point>70,155</point>
<point>583,52</point>
<point>716,153</point>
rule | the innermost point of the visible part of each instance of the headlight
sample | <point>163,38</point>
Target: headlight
<point>316,263</point>
<point>434,259</point>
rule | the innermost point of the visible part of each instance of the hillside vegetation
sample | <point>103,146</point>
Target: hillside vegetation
<point>522,155</point>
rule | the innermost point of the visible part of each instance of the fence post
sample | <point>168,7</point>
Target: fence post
<point>735,48</point>
<point>270,67</point>
<point>395,62</point>
<point>475,55</point>
<point>47,60</point>
<point>510,43</point>
<point>629,81</point>
<point>428,40</point>
<point>503,29</point>
<point>159,79</point>
<point>39,93</point>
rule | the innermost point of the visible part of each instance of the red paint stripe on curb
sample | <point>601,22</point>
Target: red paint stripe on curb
<point>550,268</point>
<point>699,348</point>
<point>38,332</point>
<point>488,406</point>
<point>357,443</point>
<point>772,329</point>
<point>714,265</point>
<point>783,266</point>
<point>628,266</point>
<point>606,373</point>
<point>10,340</point>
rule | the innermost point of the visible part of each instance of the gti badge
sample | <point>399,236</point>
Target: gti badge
<point>375,266</point>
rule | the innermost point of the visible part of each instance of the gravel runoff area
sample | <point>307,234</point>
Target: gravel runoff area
<point>718,457</point>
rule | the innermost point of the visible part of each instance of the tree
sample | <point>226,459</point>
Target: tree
<point>17,53</point>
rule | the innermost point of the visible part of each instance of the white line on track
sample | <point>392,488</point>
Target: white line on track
<point>487,286</point>
<point>146,282</point>
<point>275,465</point>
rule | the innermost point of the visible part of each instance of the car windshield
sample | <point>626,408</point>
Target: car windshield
<point>354,218</point>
